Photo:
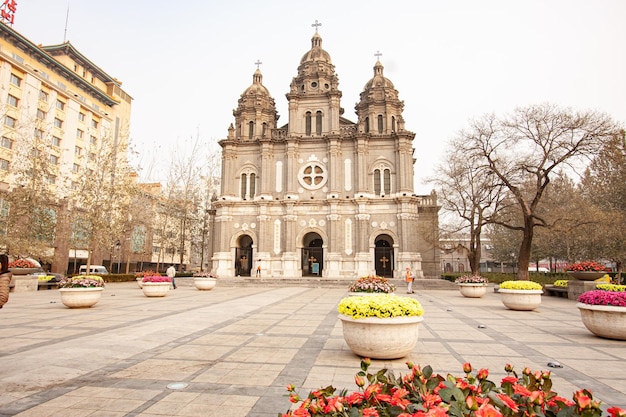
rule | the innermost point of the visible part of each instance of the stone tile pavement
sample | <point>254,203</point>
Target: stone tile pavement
<point>231,351</point>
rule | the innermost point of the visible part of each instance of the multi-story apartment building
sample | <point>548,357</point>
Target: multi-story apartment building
<point>56,95</point>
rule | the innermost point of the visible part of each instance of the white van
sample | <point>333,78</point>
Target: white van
<point>93,269</point>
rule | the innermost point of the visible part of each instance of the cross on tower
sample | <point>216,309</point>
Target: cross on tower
<point>257,63</point>
<point>378,55</point>
<point>316,25</point>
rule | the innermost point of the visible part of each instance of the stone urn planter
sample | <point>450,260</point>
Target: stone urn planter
<point>80,297</point>
<point>522,300</point>
<point>155,289</point>
<point>204,283</point>
<point>140,282</point>
<point>586,275</point>
<point>380,326</point>
<point>604,321</point>
<point>473,290</point>
<point>381,338</point>
<point>23,271</point>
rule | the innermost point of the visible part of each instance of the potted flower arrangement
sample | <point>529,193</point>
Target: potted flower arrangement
<point>586,270</point>
<point>81,291</point>
<point>382,326</point>
<point>204,280</point>
<point>149,273</point>
<point>424,393</point>
<point>520,295</point>
<point>603,311</point>
<point>371,284</point>
<point>22,266</point>
<point>155,285</point>
<point>472,286</point>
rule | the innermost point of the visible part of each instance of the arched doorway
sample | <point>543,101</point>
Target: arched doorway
<point>243,256</point>
<point>383,256</point>
<point>312,255</point>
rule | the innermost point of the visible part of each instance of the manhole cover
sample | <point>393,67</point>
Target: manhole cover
<point>177,385</point>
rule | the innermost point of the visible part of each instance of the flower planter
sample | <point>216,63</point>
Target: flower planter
<point>472,290</point>
<point>155,289</point>
<point>359,293</point>
<point>80,297</point>
<point>523,300</point>
<point>140,282</point>
<point>381,338</point>
<point>586,275</point>
<point>204,283</point>
<point>604,321</point>
<point>23,271</point>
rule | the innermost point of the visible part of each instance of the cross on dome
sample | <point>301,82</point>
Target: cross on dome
<point>378,54</point>
<point>316,25</point>
<point>258,63</point>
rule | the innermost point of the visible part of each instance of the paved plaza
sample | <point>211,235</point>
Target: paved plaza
<point>231,351</point>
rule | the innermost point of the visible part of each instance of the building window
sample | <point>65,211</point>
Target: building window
<point>93,140</point>
<point>9,121</point>
<point>4,215</point>
<point>52,179</point>
<point>380,123</point>
<point>248,186</point>
<point>6,143</point>
<point>41,115</point>
<point>75,168</point>
<point>393,123</point>
<point>38,133</point>
<point>54,160</point>
<point>367,125</point>
<point>94,123</point>
<point>312,176</point>
<point>4,165</point>
<point>78,150</point>
<point>318,122</point>
<point>12,100</point>
<point>58,122</point>
<point>56,141</point>
<point>15,80</point>
<point>382,181</point>
<point>60,105</point>
<point>81,116</point>
<point>307,122</point>
<point>79,133</point>
<point>250,130</point>
<point>43,96</point>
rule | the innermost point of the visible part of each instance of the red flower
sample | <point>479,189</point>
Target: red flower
<point>370,412</point>
<point>488,410</point>
<point>616,412</point>
<point>355,398</point>
<point>508,402</point>
<point>521,390</point>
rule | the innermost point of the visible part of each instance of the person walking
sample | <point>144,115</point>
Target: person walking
<point>258,269</point>
<point>409,277</point>
<point>5,279</point>
<point>171,272</point>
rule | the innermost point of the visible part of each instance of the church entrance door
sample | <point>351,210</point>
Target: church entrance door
<point>312,255</point>
<point>243,256</point>
<point>383,256</point>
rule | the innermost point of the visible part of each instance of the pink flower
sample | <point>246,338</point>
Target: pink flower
<point>603,298</point>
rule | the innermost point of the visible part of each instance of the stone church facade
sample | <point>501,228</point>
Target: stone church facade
<point>322,195</point>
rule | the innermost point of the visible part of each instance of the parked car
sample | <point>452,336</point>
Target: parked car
<point>540,269</point>
<point>93,269</point>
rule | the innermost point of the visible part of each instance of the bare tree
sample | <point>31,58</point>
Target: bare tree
<point>525,149</point>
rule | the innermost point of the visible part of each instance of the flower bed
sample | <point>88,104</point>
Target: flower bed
<point>380,305</point>
<point>423,394</point>
<point>586,266</point>
<point>520,285</point>
<point>561,283</point>
<point>471,279</point>
<point>611,287</point>
<point>603,298</point>
<point>82,281</point>
<point>22,263</point>
<point>156,278</point>
<point>372,284</point>
<point>204,275</point>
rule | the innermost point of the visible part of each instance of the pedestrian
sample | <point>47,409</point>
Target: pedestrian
<point>258,269</point>
<point>5,279</point>
<point>171,272</point>
<point>409,277</point>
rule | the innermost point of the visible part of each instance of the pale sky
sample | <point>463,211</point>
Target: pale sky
<point>186,63</point>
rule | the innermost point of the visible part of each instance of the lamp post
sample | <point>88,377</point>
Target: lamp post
<point>118,246</point>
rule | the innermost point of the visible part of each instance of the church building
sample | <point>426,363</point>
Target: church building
<point>322,196</point>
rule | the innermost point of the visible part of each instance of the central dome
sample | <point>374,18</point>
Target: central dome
<point>316,53</point>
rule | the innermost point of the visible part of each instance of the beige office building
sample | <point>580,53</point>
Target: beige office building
<point>322,195</point>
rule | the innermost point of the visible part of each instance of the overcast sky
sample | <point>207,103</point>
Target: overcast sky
<point>186,63</point>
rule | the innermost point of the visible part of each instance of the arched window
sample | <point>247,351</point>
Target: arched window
<point>251,130</point>
<point>380,123</point>
<point>252,186</point>
<point>318,123</point>
<point>393,123</point>
<point>307,122</point>
<point>244,185</point>
<point>377,181</point>
<point>387,181</point>
<point>382,181</point>
<point>264,128</point>
<point>367,125</point>
<point>248,185</point>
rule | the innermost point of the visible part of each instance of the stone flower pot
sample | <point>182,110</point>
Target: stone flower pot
<point>155,289</point>
<point>80,297</point>
<point>604,321</point>
<point>523,300</point>
<point>472,290</point>
<point>381,338</point>
<point>204,283</point>
<point>586,275</point>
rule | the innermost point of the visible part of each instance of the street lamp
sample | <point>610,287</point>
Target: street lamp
<point>118,246</point>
